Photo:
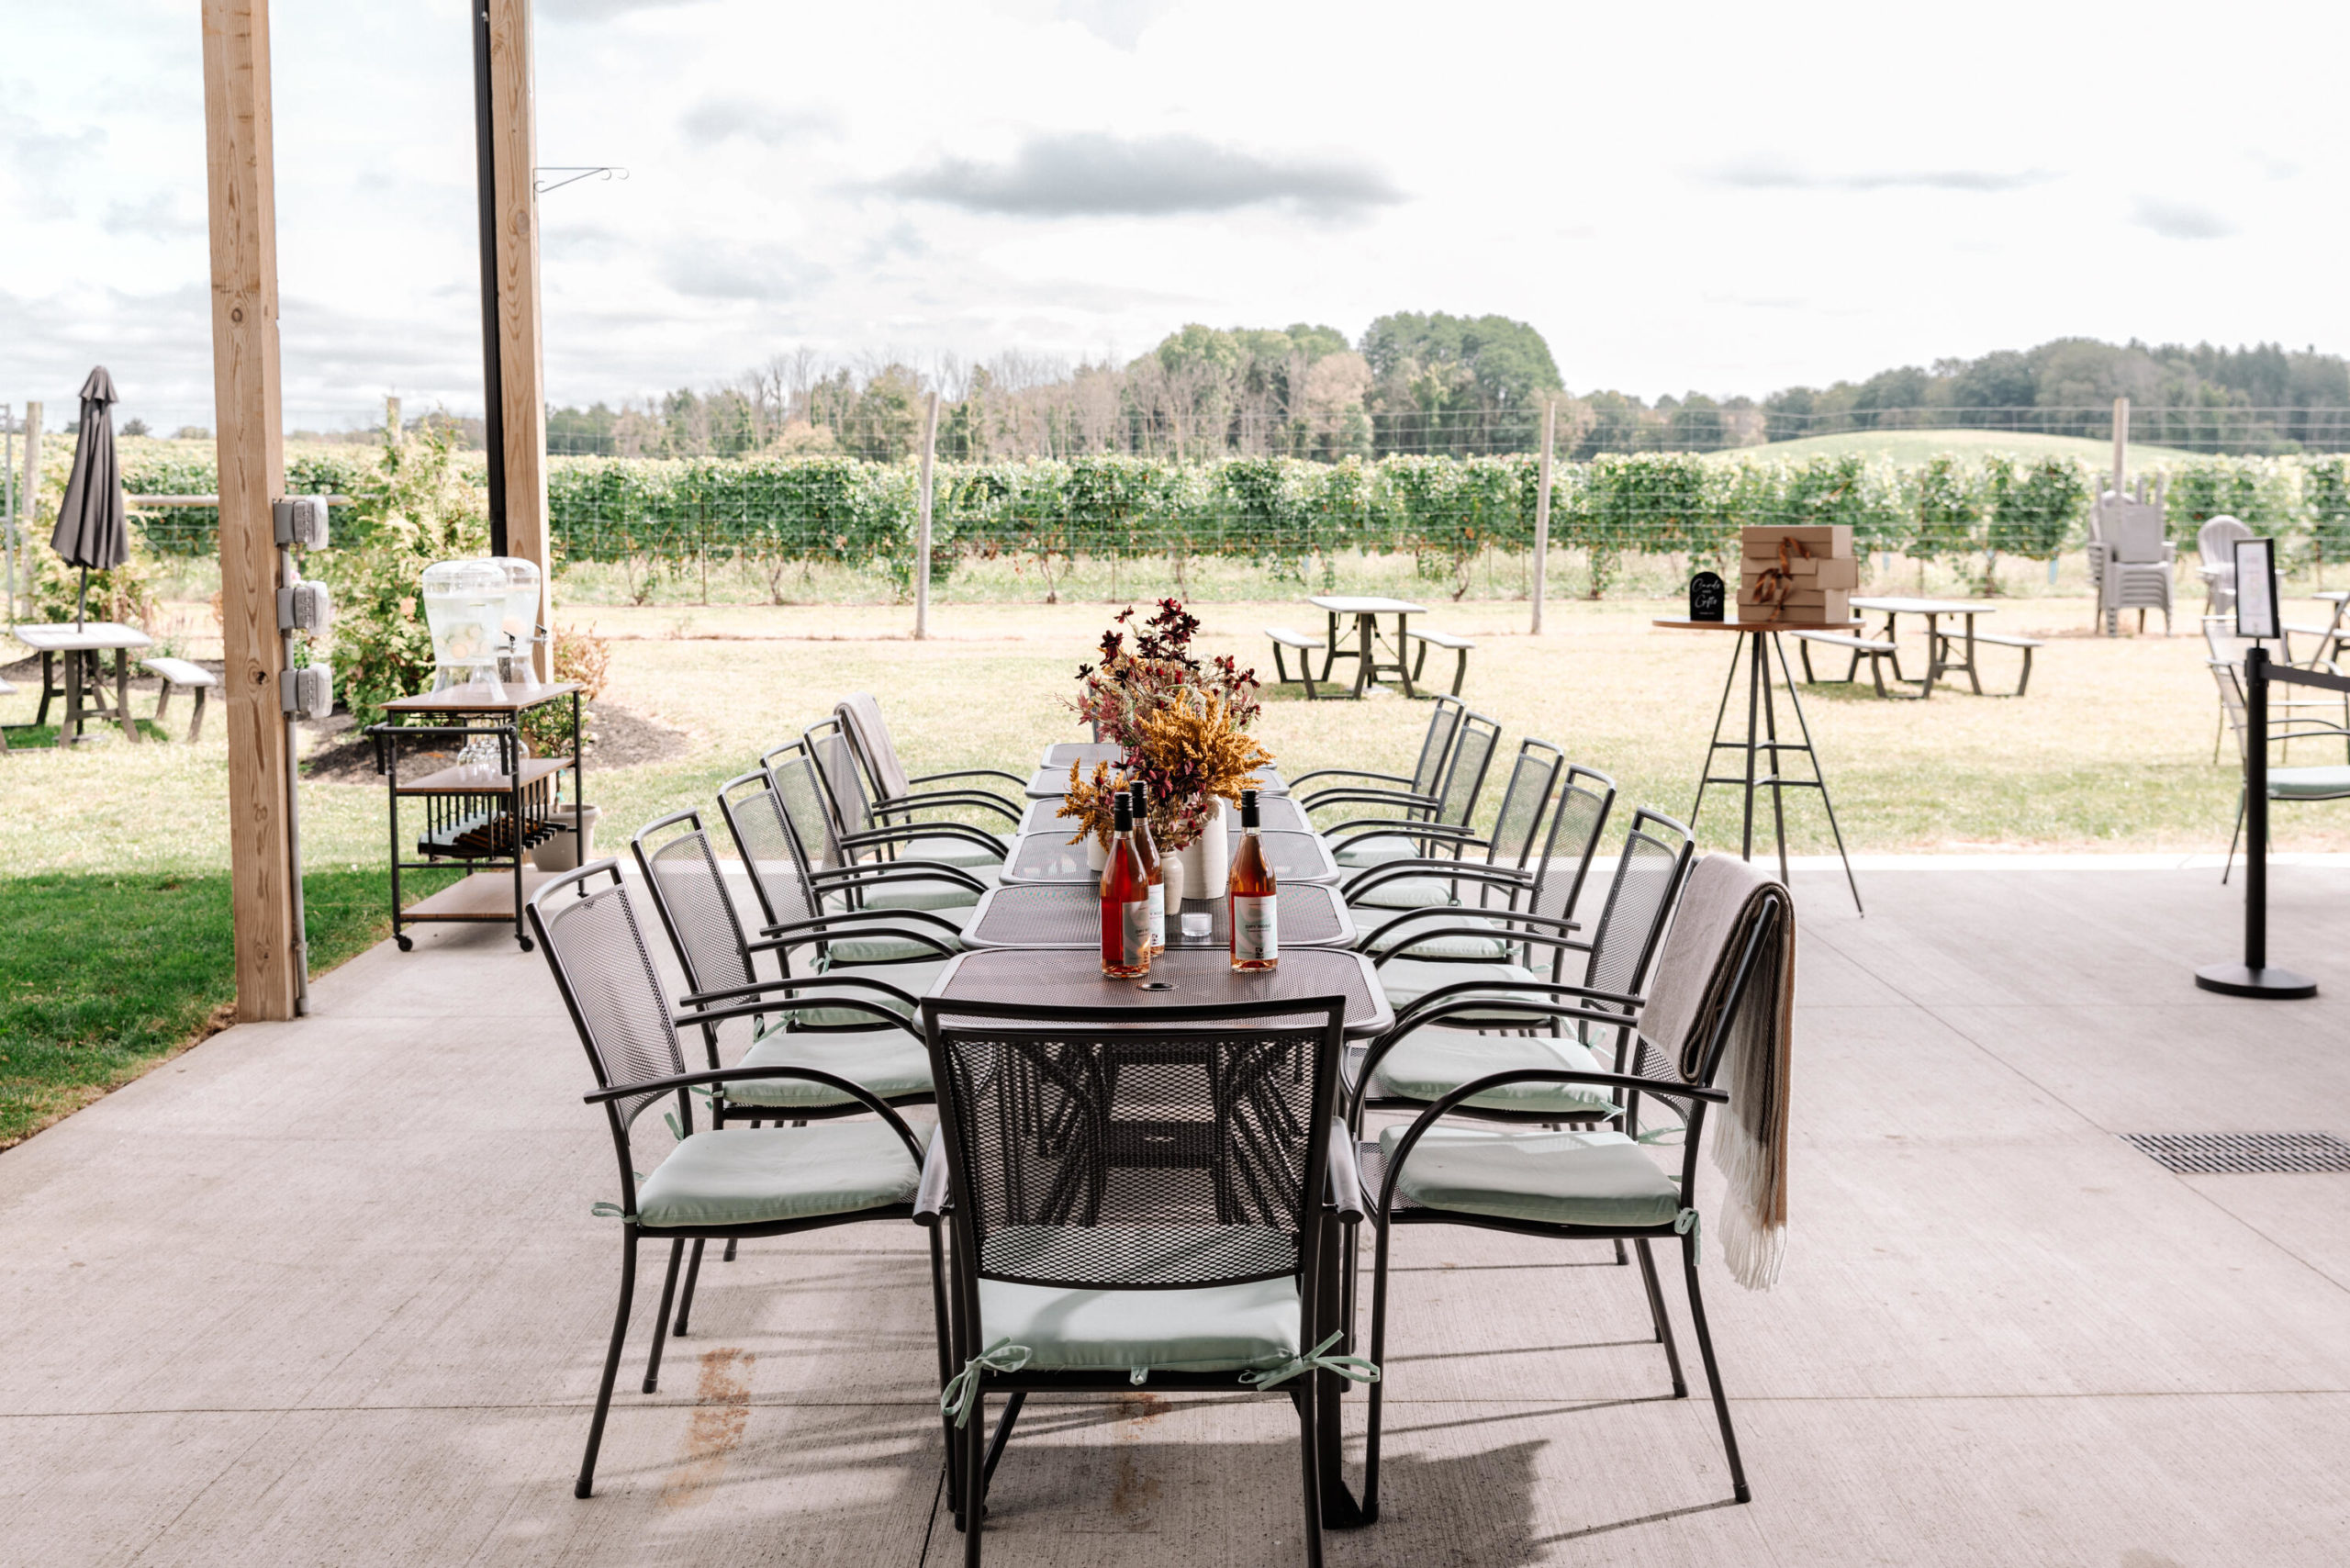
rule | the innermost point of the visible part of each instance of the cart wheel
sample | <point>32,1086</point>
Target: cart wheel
<point>525,941</point>
<point>408,944</point>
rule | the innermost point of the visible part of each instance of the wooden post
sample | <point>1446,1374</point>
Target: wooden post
<point>2120,442</point>
<point>1542,509</point>
<point>514,135</point>
<point>28,503</point>
<point>391,422</point>
<point>922,539</point>
<point>245,393</point>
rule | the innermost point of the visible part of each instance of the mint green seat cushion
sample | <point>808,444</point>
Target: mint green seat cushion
<point>955,850</point>
<point>1376,849</point>
<point>2307,783</point>
<point>1455,948</point>
<point>922,892</point>
<point>1210,1329</point>
<point>890,949</point>
<point>757,1175</point>
<point>1407,979</point>
<point>1405,892</point>
<point>890,1063</point>
<point>914,979</point>
<point>1429,1064</point>
<point>1598,1178</point>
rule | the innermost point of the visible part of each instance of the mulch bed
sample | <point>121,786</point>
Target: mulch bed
<point>341,755</point>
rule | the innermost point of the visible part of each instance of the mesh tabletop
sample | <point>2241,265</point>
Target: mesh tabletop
<point>1049,856</point>
<point>1060,753</point>
<point>1065,914</point>
<point>1044,977</point>
<point>1046,782</point>
<point>1280,814</point>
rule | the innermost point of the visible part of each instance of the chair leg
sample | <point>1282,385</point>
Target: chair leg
<point>1622,1257</point>
<point>587,1482</point>
<point>975,1479</point>
<point>1662,1322</point>
<point>1309,1450</point>
<point>686,1301</point>
<point>1375,1391</point>
<point>1713,1372</point>
<point>661,1322</point>
<point>2233,839</point>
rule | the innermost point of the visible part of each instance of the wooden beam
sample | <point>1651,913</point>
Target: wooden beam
<point>515,137</point>
<point>245,394</point>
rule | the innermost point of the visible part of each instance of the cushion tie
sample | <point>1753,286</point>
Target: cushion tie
<point>1354,1368</point>
<point>610,1210</point>
<point>963,1389</point>
<point>1685,1224</point>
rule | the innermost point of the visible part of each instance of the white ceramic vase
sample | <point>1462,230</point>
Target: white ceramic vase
<point>1207,860</point>
<point>1170,876</point>
<point>1097,854</point>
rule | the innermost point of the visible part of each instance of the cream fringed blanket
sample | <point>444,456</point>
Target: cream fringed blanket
<point>1719,908</point>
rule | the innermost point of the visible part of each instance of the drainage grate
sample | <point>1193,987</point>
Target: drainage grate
<point>2228,1154</point>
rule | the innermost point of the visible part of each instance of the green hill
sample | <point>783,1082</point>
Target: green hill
<point>1915,446</point>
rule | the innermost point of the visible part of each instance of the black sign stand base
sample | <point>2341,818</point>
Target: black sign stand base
<point>2276,984</point>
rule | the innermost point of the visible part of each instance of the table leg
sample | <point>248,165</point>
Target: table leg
<point>1771,732</point>
<point>1756,674</point>
<point>1329,647</point>
<point>1403,661</point>
<point>1803,728</point>
<point>1972,678</point>
<point>122,695</point>
<point>1365,626</point>
<point>47,685</point>
<point>1888,634</point>
<point>70,732</point>
<point>1933,654</point>
<point>1705,774</point>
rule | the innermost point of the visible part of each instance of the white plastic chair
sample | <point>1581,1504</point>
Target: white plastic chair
<point>2129,559</point>
<point>2216,542</point>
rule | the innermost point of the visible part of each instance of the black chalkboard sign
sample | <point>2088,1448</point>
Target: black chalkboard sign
<point>1706,596</point>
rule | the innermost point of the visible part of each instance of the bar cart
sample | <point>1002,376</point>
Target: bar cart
<point>482,811</point>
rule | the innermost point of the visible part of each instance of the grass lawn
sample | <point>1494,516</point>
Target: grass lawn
<point>114,935</point>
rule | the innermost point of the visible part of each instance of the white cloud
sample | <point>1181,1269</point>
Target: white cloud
<point>1091,175</point>
<point>2180,219</point>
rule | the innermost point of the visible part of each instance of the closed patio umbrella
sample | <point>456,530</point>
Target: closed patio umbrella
<point>91,529</point>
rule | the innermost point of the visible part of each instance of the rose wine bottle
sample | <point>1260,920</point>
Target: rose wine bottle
<point>1255,912</point>
<point>1125,900</point>
<point>1147,849</point>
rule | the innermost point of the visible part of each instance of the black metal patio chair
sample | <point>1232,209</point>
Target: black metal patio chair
<point>1364,841</point>
<point>795,772</point>
<point>1541,780</point>
<point>1139,1197</point>
<point>1579,1185</point>
<point>726,1185</point>
<point>858,814</point>
<point>788,886</point>
<point>1413,794</point>
<point>895,795</point>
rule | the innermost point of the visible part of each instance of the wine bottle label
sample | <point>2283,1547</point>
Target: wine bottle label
<point>1159,914</point>
<point>1137,931</point>
<point>1256,927</point>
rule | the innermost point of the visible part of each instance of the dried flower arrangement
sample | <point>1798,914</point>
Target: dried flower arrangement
<point>1132,682</point>
<point>1191,755</point>
<point>1092,803</point>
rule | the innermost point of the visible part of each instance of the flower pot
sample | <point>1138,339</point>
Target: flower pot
<point>574,844</point>
<point>1207,860</point>
<point>1171,877</point>
<point>1097,854</point>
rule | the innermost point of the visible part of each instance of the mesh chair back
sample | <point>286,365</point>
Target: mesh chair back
<point>601,965</point>
<point>869,732</point>
<point>791,771</point>
<point>1586,799</point>
<point>1464,775</point>
<point>845,798</point>
<point>1092,1150</point>
<point>1639,901</point>
<point>2133,531</point>
<point>1436,744</point>
<point>1524,800</point>
<point>770,850</point>
<point>2220,637</point>
<point>689,891</point>
<point>2231,701</point>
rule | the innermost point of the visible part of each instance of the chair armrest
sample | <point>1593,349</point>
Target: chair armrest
<point>1414,826</point>
<point>940,800</point>
<point>700,1012</point>
<point>1345,1175</point>
<point>883,872</point>
<point>1521,996</point>
<point>1365,797</point>
<point>783,935</point>
<point>907,832</point>
<point>931,1197</point>
<point>856,1091</point>
<point>1347,773</point>
<point>1012,779</point>
<point>1442,870</point>
<point>1498,925</point>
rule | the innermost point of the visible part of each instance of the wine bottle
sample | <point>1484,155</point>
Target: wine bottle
<point>1255,912</point>
<point>1125,900</point>
<point>1146,850</point>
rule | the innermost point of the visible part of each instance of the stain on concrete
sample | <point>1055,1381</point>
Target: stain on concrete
<point>1134,1495</point>
<point>721,1413</point>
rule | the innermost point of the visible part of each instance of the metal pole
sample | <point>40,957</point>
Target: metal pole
<point>1542,507</point>
<point>922,539</point>
<point>2254,977</point>
<point>28,492</point>
<point>8,508</point>
<point>2120,442</point>
<point>493,372</point>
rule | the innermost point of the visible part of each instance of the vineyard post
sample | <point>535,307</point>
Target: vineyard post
<point>1542,507</point>
<point>28,502</point>
<point>922,536</point>
<point>2120,443</point>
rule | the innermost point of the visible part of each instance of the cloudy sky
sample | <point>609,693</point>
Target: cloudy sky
<point>1729,198</point>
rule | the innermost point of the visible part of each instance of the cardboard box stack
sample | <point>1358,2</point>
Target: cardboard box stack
<point>1800,575</point>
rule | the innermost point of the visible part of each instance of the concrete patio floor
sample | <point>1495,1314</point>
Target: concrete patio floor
<point>328,1292</point>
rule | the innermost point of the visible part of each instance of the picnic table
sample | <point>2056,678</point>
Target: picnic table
<point>81,645</point>
<point>1366,611</point>
<point>1938,642</point>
